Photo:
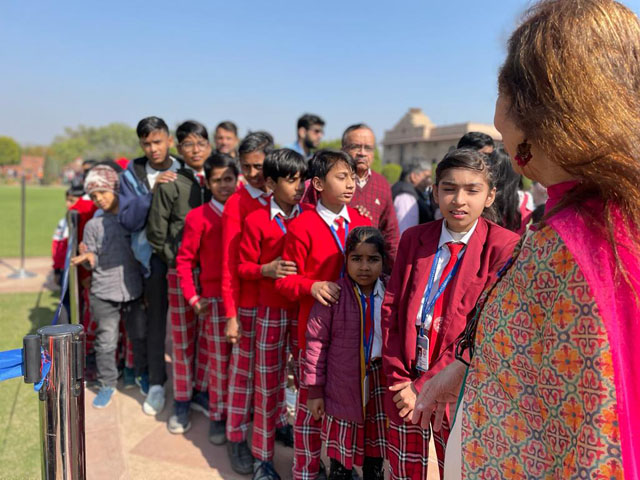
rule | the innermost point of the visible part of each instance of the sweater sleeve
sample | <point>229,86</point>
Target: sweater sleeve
<point>249,251</point>
<point>158,223</point>
<point>188,255</point>
<point>318,338</point>
<point>133,207</point>
<point>297,246</point>
<point>392,341</point>
<point>231,229</point>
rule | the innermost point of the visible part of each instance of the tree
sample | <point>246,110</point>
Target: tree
<point>9,151</point>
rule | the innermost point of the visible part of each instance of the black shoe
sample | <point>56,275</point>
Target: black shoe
<point>240,457</point>
<point>322,472</point>
<point>284,435</point>
<point>200,402</point>
<point>373,468</point>
<point>217,432</point>
<point>265,471</point>
<point>179,422</point>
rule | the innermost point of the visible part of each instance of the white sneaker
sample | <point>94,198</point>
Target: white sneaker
<point>154,403</point>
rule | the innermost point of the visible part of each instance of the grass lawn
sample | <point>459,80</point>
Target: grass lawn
<point>20,314</point>
<point>45,207</point>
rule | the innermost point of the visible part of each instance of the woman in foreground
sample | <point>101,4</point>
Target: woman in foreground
<point>553,389</point>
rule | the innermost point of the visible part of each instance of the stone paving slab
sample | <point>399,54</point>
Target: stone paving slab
<point>41,266</point>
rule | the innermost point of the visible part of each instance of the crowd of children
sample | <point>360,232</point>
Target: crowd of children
<point>251,281</point>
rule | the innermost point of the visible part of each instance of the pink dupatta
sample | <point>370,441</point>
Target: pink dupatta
<point>616,301</point>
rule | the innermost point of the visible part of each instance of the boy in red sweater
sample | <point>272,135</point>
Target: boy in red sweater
<point>201,246</point>
<point>260,251</point>
<point>240,297</point>
<point>315,242</point>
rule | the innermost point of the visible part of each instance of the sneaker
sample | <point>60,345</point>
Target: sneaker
<point>179,422</point>
<point>240,457</point>
<point>217,434</point>
<point>128,378</point>
<point>200,402</point>
<point>284,435</point>
<point>103,399</point>
<point>154,403</point>
<point>265,471</point>
<point>143,382</point>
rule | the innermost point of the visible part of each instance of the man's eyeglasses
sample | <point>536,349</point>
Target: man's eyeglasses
<point>356,147</point>
<point>192,145</point>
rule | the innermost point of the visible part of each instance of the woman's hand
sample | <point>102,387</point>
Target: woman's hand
<point>438,392</point>
<point>405,399</point>
<point>232,330</point>
<point>316,407</point>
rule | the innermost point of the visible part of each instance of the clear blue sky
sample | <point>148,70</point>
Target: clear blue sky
<point>260,64</point>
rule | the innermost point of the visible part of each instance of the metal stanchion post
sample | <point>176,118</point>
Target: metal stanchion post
<point>61,399</point>
<point>21,272</point>
<point>74,286</point>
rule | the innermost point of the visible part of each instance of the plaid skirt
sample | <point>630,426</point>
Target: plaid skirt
<point>349,442</point>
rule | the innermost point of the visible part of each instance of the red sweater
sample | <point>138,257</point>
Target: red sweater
<point>311,245</point>
<point>488,249</point>
<point>201,245</point>
<point>262,242</point>
<point>236,292</point>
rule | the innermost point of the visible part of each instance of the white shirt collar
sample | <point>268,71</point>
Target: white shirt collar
<point>378,289</point>
<point>275,210</point>
<point>329,217</point>
<point>255,192</point>
<point>447,236</point>
<point>195,172</point>
<point>217,204</point>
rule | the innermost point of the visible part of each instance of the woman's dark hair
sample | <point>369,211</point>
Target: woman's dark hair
<point>507,203</point>
<point>220,160</point>
<point>191,127</point>
<point>469,160</point>
<point>324,160</point>
<point>368,235</point>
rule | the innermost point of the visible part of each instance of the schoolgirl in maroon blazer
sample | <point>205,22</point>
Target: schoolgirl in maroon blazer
<point>441,269</point>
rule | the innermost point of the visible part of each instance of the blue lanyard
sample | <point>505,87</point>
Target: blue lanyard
<point>368,343</point>
<point>335,236</point>
<point>427,306</point>
<point>281,225</point>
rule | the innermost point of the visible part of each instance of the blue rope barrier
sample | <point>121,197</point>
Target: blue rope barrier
<point>10,364</point>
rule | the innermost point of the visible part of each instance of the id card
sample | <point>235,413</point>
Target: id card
<point>365,391</point>
<point>422,353</point>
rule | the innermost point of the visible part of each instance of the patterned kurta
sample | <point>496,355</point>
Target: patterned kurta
<point>540,399</point>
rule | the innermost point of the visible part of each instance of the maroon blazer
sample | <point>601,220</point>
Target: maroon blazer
<point>488,249</point>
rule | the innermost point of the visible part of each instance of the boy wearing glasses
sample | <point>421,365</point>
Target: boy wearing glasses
<point>310,133</point>
<point>169,207</point>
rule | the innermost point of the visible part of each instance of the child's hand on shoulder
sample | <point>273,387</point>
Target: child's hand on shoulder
<point>405,399</point>
<point>232,330</point>
<point>316,407</point>
<point>327,293</point>
<point>165,177</point>
<point>279,268</point>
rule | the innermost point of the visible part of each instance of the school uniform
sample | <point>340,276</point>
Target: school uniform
<point>425,260</point>
<point>169,207</point>
<point>344,343</point>
<point>240,299</point>
<point>201,246</point>
<point>262,242</point>
<point>315,241</point>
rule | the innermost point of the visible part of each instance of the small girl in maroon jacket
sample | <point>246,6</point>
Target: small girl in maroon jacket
<point>343,366</point>
<point>441,269</point>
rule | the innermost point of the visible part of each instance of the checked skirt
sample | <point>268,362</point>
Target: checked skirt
<point>189,347</point>
<point>408,450</point>
<point>272,326</point>
<point>349,442</point>
<point>219,350</point>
